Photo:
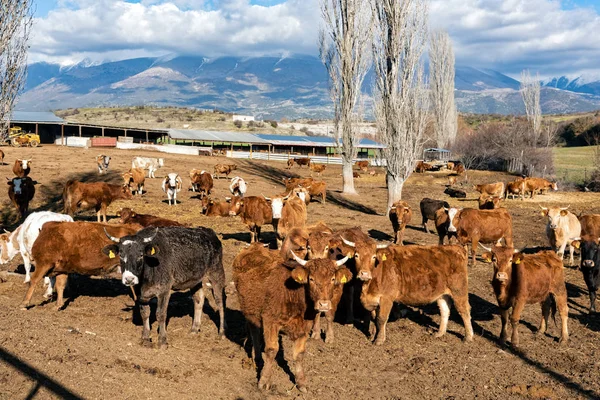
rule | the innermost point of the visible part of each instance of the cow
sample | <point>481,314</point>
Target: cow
<point>491,189</point>
<point>450,165</point>
<point>400,215</point>
<point>212,208</point>
<point>300,161</point>
<point>290,163</point>
<point>590,265</point>
<point>224,169</point>
<point>171,258</point>
<point>561,229</point>
<point>414,276</point>
<point>590,225</point>
<point>254,212</point>
<point>318,168</point>
<point>521,279</point>
<point>1,157</point>
<point>134,179</point>
<point>459,168</point>
<point>102,162</point>
<point>302,193</point>
<point>355,175</point>
<point>172,184</point>
<point>308,242</point>
<point>149,163</point>
<point>21,241</point>
<point>277,296</point>
<point>287,213</point>
<point>97,195</point>
<point>291,183</point>
<point>238,187</point>
<point>452,180</point>
<point>317,189</point>
<point>20,192</point>
<point>128,216</point>
<point>201,182</point>
<point>538,184</point>
<point>442,223</point>
<point>362,165</point>
<point>64,248</point>
<point>487,202</point>
<point>515,188</point>
<point>480,226</point>
<point>428,209</point>
<point>422,166</point>
<point>22,168</point>
<point>455,193</point>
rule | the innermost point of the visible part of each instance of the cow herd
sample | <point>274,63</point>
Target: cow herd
<point>315,271</point>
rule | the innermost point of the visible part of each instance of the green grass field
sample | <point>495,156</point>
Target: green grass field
<point>574,164</point>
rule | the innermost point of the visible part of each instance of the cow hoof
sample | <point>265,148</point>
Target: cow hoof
<point>264,386</point>
<point>315,335</point>
<point>378,342</point>
<point>439,334</point>
<point>468,339</point>
<point>146,343</point>
<point>329,339</point>
<point>302,388</point>
<point>24,307</point>
<point>194,331</point>
<point>563,341</point>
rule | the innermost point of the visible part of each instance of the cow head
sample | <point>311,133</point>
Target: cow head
<point>24,163</point>
<point>126,214</point>
<point>8,247</point>
<point>453,217</point>
<point>161,162</point>
<point>236,205</point>
<point>321,275</point>
<point>365,256</point>
<point>103,160</point>
<point>554,186</point>
<point>554,215</point>
<point>502,259</point>
<point>134,251</point>
<point>400,209</point>
<point>302,193</point>
<point>589,247</point>
<point>172,181</point>
<point>276,204</point>
<point>318,245</point>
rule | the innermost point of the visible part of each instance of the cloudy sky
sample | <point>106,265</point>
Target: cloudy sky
<point>552,37</point>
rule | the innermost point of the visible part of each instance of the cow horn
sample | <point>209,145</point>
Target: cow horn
<point>544,208</point>
<point>266,198</point>
<point>383,245</point>
<point>114,239</point>
<point>347,242</point>
<point>341,262</point>
<point>298,259</point>
<point>446,209</point>
<point>485,248</point>
<point>565,208</point>
<point>151,238</point>
<point>7,231</point>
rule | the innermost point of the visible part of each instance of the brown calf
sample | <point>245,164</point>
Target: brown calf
<point>400,215</point>
<point>202,182</point>
<point>302,161</point>
<point>135,179</point>
<point>128,216</point>
<point>487,202</point>
<point>212,208</point>
<point>318,168</point>
<point>491,189</point>
<point>254,212</point>
<point>22,168</point>
<point>362,165</point>
<point>291,183</point>
<point>224,169</point>
<point>422,166</point>
<point>516,188</point>
<point>533,185</point>
<point>97,195</point>
<point>317,189</point>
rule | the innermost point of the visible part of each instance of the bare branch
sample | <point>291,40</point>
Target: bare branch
<point>530,92</point>
<point>441,82</point>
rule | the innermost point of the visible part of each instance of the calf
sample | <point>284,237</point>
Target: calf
<point>318,189</point>
<point>516,188</point>
<point>302,161</point>
<point>442,223</point>
<point>455,193</point>
<point>302,193</point>
<point>201,182</point>
<point>97,195</point>
<point>171,185</point>
<point>318,168</point>
<point>452,180</point>
<point>428,209</point>
<point>135,179</point>
<point>491,189</point>
<point>102,161</point>
<point>212,208</point>
<point>561,229</point>
<point>291,183</point>
<point>290,163</point>
<point>459,169</point>
<point>290,212</point>
<point>422,166</point>
<point>480,226</point>
<point>64,248</point>
<point>224,169</point>
<point>20,192</point>
<point>590,225</point>
<point>362,165</point>
<point>238,187</point>
<point>22,168</point>
<point>415,276</point>
<point>149,163</point>
<point>400,215</point>
<point>254,211</point>
<point>128,216</point>
<point>171,258</point>
<point>521,279</point>
<point>283,297</point>
<point>487,202</point>
<point>538,184</point>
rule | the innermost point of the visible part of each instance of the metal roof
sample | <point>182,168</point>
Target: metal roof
<point>34,116</point>
<point>440,150</point>
<point>215,136</point>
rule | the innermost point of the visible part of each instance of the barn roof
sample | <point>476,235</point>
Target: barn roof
<point>35,116</point>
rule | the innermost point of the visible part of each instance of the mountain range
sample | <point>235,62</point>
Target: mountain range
<point>294,86</point>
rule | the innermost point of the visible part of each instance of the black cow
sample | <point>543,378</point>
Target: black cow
<point>428,209</point>
<point>457,193</point>
<point>590,267</point>
<point>171,258</point>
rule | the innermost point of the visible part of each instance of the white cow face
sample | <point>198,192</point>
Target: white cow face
<point>554,215</point>
<point>451,215</point>
<point>277,206</point>
<point>161,162</point>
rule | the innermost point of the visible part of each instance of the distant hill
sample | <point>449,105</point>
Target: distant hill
<point>271,87</point>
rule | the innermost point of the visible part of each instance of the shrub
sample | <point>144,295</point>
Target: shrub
<point>237,123</point>
<point>159,120</point>
<point>273,123</point>
<point>251,124</point>
<point>304,129</point>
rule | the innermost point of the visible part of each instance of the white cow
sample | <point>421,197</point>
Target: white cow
<point>171,185</point>
<point>21,241</point>
<point>149,163</point>
<point>238,187</point>
<point>563,228</point>
<point>103,162</point>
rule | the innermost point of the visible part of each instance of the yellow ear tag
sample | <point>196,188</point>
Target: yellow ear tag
<point>518,261</point>
<point>111,254</point>
<point>152,252</point>
<point>542,213</point>
<point>344,280</point>
<point>383,257</point>
<point>299,278</point>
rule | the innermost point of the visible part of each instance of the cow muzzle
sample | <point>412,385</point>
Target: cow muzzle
<point>502,277</point>
<point>452,229</point>
<point>553,226</point>
<point>232,213</point>
<point>364,275</point>
<point>323,305</point>
<point>588,263</point>
<point>129,279</point>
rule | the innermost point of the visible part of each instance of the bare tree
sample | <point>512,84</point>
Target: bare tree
<point>344,40</point>
<point>16,18</point>
<point>401,97</point>
<point>441,83</point>
<point>530,92</point>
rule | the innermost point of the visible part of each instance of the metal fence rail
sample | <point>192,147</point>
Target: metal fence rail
<point>285,157</point>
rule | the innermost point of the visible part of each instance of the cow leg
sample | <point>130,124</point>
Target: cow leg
<point>563,311</point>
<point>561,250</point>
<point>27,265</point>
<point>161,317</point>
<point>219,296</point>
<point>514,321</point>
<point>425,225</point>
<point>257,234</point>
<point>316,329</point>
<point>145,314</point>
<point>383,313</point>
<point>464,310</point>
<point>61,283</point>
<point>36,277</point>
<point>271,338</point>
<point>198,298</point>
<point>474,250</point>
<point>592,300</point>
<point>571,252</point>
<point>442,303</point>
<point>298,357</point>
<point>504,331</point>
<point>49,283</point>
<point>546,306</point>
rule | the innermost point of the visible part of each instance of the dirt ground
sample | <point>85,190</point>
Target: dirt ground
<point>91,348</point>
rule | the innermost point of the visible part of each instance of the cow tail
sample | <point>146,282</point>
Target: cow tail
<point>553,308</point>
<point>67,197</point>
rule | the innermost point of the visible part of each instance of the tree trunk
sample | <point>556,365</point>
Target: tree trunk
<point>394,185</point>
<point>348,177</point>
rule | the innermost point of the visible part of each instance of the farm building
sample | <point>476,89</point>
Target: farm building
<point>434,154</point>
<point>243,118</point>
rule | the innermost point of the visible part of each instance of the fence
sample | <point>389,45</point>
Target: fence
<point>285,157</point>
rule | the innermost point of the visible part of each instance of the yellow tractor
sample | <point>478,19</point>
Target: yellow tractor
<point>19,138</point>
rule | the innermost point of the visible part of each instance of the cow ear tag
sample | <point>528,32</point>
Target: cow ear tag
<point>518,261</point>
<point>111,254</point>
<point>152,251</point>
<point>344,280</point>
<point>299,278</point>
<point>383,257</point>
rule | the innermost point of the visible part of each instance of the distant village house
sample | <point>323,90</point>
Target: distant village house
<point>243,118</point>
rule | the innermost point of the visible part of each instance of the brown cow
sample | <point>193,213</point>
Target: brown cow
<point>590,225</point>
<point>128,216</point>
<point>277,296</point>
<point>201,182</point>
<point>302,193</point>
<point>63,248</point>
<point>487,202</point>
<point>224,169</point>
<point>422,166</point>
<point>302,161</point>
<point>362,165</point>
<point>521,279</point>
<point>415,276</point>
<point>291,183</point>
<point>452,180</point>
<point>539,184</point>
<point>442,223</point>
<point>135,179</point>
<point>318,168</point>
<point>491,189</point>
<point>459,169</point>
<point>287,213</point>
<point>22,168</point>
<point>450,165</point>
<point>97,195</point>
<point>516,188</point>
<point>254,211</point>
<point>212,208</point>
<point>290,163</point>
<point>317,189</point>
<point>20,192</point>
<point>400,215</point>
<point>307,242</point>
<point>480,226</point>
